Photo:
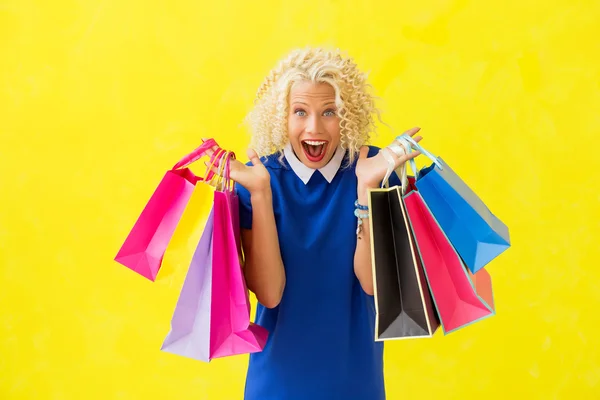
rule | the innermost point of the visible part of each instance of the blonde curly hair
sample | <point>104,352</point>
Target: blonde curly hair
<point>268,118</point>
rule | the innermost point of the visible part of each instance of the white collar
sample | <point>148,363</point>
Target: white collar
<point>305,173</point>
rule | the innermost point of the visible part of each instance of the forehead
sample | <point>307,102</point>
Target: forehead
<point>305,90</point>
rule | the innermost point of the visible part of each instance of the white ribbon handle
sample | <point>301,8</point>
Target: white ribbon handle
<point>401,149</point>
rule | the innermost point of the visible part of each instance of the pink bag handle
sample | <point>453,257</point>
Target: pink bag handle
<point>223,181</point>
<point>223,172</point>
<point>196,154</point>
<point>214,161</point>
<point>219,153</point>
<point>227,182</point>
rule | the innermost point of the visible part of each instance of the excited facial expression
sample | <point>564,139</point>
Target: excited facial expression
<point>313,123</point>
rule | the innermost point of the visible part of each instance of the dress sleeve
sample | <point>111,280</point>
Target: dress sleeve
<point>245,206</point>
<point>394,180</point>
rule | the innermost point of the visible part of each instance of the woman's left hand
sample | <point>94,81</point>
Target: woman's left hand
<point>371,171</point>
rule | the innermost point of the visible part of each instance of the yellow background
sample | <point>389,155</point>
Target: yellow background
<point>98,98</point>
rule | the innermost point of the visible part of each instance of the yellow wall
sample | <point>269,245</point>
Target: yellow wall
<point>98,98</point>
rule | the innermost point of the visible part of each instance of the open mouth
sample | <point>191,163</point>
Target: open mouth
<point>314,149</point>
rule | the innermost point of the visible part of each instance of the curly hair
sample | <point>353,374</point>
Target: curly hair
<point>268,118</point>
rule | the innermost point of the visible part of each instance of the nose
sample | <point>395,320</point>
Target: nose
<point>314,125</point>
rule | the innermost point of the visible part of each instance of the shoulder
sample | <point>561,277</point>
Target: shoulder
<point>373,150</point>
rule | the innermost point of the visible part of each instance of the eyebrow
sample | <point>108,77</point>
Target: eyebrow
<point>301,102</point>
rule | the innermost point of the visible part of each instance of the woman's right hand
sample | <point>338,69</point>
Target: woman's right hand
<point>254,178</point>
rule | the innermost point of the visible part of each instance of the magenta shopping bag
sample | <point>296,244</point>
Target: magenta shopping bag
<point>147,241</point>
<point>212,315</point>
<point>231,331</point>
<point>460,297</point>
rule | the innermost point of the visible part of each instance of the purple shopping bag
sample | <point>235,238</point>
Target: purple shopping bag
<point>190,325</point>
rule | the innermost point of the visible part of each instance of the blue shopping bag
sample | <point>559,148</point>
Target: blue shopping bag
<point>475,232</point>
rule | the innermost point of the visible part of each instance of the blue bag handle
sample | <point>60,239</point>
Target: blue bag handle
<point>413,145</point>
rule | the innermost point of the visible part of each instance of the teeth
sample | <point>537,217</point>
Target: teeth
<point>314,142</point>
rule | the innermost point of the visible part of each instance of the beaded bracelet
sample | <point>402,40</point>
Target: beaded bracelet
<point>360,216</point>
<point>360,207</point>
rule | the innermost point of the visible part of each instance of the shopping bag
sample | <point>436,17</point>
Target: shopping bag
<point>231,331</point>
<point>207,324</point>
<point>187,234</point>
<point>403,304</point>
<point>476,233</point>
<point>460,297</point>
<point>190,325</point>
<point>145,245</point>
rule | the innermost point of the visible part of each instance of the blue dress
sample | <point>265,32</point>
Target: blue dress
<point>321,336</point>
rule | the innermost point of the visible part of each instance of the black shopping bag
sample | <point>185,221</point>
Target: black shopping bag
<point>402,297</point>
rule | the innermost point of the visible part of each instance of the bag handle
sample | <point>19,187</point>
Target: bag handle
<point>196,154</point>
<point>216,155</point>
<point>224,171</point>
<point>413,165</point>
<point>406,144</point>
<point>416,146</point>
<point>209,176</point>
<point>226,174</point>
<point>402,147</point>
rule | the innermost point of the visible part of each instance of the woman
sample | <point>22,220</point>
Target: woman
<point>305,230</point>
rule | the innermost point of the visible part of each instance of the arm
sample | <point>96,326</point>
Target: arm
<point>370,171</point>
<point>263,269</point>
<point>362,255</point>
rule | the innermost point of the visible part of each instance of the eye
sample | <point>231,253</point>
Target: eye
<point>329,113</point>
<point>300,112</point>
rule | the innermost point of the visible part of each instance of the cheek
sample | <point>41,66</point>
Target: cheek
<point>294,128</point>
<point>333,127</point>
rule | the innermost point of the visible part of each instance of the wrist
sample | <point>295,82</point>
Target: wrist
<point>362,192</point>
<point>263,195</point>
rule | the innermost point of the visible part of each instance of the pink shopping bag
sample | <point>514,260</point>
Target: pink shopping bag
<point>231,331</point>
<point>147,241</point>
<point>460,297</point>
<point>212,315</point>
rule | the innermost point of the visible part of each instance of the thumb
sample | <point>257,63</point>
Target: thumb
<point>253,157</point>
<point>364,151</point>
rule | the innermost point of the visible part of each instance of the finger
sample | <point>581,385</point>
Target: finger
<point>413,131</point>
<point>216,152</point>
<point>214,169</point>
<point>417,138</point>
<point>364,151</point>
<point>212,150</point>
<point>397,149</point>
<point>253,157</point>
<point>235,165</point>
<point>396,157</point>
<point>412,155</point>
